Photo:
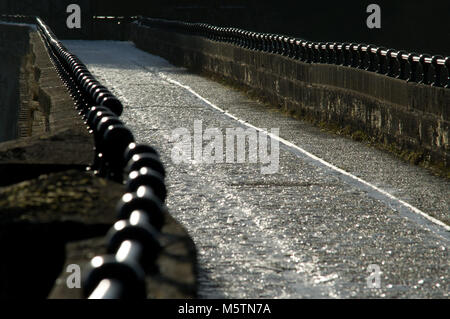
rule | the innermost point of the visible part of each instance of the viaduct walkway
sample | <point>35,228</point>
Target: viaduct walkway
<point>310,229</point>
<point>122,156</point>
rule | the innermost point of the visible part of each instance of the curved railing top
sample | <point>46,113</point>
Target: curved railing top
<point>413,67</point>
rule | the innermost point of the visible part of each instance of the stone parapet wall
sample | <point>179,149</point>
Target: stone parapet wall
<point>408,116</point>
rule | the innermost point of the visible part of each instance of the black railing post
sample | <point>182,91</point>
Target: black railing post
<point>362,55</point>
<point>381,60</point>
<point>354,55</point>
<point>346,59</point>
<point>337,53</point>
<point>280,45</point>
<point>437,70</point>
<point>321,53</point>
<point>413,67</point>
<point>402,65</point>
<point>316,52</point>
<point>266,42</point>
<point>330,53</point>
<point>372,59</point>
<point>310,52</point>
<point>425,68</point>
<point>391,63</point>
<point>297,49</point>
<point>293,48</point>
<point>304,51</point>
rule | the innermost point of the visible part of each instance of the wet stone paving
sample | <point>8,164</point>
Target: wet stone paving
<point>304,231</point>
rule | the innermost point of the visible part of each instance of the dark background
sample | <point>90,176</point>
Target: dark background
<point>413,25</point>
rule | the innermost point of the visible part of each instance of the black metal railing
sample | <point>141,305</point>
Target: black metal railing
<point>134,240</point>
<point>412,67</point>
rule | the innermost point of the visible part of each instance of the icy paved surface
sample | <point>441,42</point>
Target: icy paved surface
<point>302,232</point>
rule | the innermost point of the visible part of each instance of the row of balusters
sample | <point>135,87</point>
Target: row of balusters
<point>412,67</point>
<point>134,241</point>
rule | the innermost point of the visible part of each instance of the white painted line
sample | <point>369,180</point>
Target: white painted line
<point>360,181</point>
